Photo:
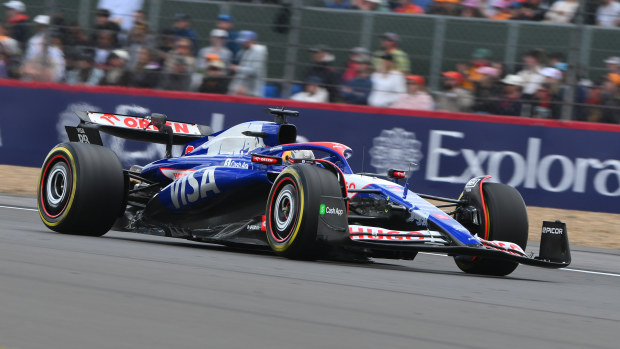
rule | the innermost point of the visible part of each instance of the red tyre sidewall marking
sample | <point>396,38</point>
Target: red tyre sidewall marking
<point>270,213</point>
<point>43,180</point>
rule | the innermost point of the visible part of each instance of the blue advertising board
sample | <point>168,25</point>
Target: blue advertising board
<point>552,164</point>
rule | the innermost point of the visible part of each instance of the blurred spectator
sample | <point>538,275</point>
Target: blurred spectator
<point>178,73</point>
<point>76,36</point>
<point>487,90</point>
<point>5,63</point>
<point>479,58</point>
<point>471,9</point>
<point>137,38</point>
<point>140,17</point>
<point>613,69</point>
<point>509,102</point>
<point>389,45</point>
<point>218,39</point>
<point>85,72</point>
<point>48,64</point>
<point>406,6</point>
<point>104,45</point>
<point>117,73</point>
<point>182,28</point>
<point>608,14</point>
<point>39,40</point>
<point>502,10</point>
<point>16,20</point>
<point>251,72</point>
<point>147,70</point>
<point>388,83</point>
<point>357,55</point>
<point>416,97</point>
<point>215,79</point>
<point>10,45</point>
<point>445,7</point>
<point>558,60</point>
<point>562,11</point>
<point>548,98</point>
<point>182,49</point>
<point>313,92</point>
<point>103,23</point>
<point>610,102</point>
<point>339,4</point>
<point>531,10</point>
<point>321,67</point>
<point>226,22</point>
<point>454,98</point>
<point>370,5</point>
<point>357,90</point>
<point>530,74</point>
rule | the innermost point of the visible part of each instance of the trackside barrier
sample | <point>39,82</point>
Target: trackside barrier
<point>552,163</point>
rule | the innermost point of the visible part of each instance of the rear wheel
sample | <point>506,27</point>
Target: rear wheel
<point>506,217</point>
<point>81,189</point>
<point>293,209</point>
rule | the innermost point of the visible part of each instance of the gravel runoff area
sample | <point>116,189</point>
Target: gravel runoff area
<point>592,229</point>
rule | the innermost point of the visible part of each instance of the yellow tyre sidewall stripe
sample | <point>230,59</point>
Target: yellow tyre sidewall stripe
<point>284,247</point>
<point>74,180</point>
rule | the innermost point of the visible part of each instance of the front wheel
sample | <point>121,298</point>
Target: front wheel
<point>505,219</point>
<point>81,189</point>
<point>293,208</point>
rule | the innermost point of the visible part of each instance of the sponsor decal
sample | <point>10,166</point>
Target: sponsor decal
<point>188,190</point>
<point>441,216</point>
<point>511,248</point>
<point>174,173</point>
<point>395,148</point>
<point>140,123</point>
<point>554,231</point>
<point>529,170</point>
<point>322,209</point>
<point>236,164</point>
<point>472,183</point>
<point>358,232</point>
<point>253,227</point>
<point>331,210</point>
<point>189,148</point>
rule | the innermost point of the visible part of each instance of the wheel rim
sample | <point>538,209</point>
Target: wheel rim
<point>56,187</point>
<point>284,213</point>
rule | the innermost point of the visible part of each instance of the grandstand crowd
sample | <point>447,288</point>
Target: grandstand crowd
<point>48,48</point>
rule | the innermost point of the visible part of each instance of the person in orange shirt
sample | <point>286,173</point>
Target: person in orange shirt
<point>504,11</point>
<point>613,68</point>
<point>479,58</point>
<point>405,6</point>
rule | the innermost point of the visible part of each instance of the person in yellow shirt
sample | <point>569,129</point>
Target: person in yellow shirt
<point>390,43</point>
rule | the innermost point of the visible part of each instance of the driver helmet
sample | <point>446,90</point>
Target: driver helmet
<point>298,155</point>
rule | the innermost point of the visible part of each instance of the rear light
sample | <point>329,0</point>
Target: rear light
<point>267,160</point>
<point>396,174</point>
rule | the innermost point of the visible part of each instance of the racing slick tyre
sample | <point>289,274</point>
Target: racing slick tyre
<point>293,206</point>
<point>81,189</point>
<point>506,216</point>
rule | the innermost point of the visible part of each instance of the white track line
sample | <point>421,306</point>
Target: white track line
<point>428,253</point>
<point>19,208</point>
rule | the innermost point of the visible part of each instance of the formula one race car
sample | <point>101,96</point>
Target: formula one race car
<point>252,185</point>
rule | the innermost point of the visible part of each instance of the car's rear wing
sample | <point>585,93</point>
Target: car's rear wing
<point>154,128</point>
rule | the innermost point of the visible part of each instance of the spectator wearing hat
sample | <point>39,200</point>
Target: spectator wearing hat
<point>357,90</point>
<point>454,98</point>
<point>562,11</point>
<point>313,92</point>
<point>321,67</point>
<point>357,55</point>
<point>487,90</point>
<point>116,72</point>
<point>613,69</point>
<point>16,21</point>
<point>417,97</point>
<point>147,70</point>
<point>39,40</point>
<point>509,102</point>
<point>182,28</point>
<point>530,74</point>
<point>218,39</point>
<point>406,6</point>
<point>103,23</point>
<point>48,64</point>
<point>251,71</point>
<point>502,10</point>
<point>547,100</point>
<point>388,83</point>
<point>226,22</point>
<point>215,79</point>
<point>390,45</point>
<point>479,58</point>
<point>84,72</point>
<point>608,14</point>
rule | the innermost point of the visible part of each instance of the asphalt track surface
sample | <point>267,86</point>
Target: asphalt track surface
<point>136,291</point>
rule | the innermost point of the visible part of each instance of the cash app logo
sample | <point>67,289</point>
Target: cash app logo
<point>322,209</point>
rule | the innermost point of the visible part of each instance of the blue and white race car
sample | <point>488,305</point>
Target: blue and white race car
<point>252,185</point>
